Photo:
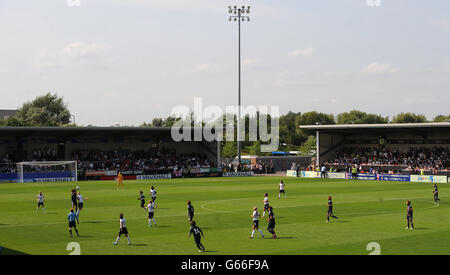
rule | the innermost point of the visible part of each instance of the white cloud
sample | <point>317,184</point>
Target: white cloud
<point>250,61</point>
<point>443,23</point>
<point>72,53</point>
<point>79,51</point>
<point>204,67</point>
<point>45,60</point>
<point>289,78</point>
<point>446,66</point>
<point>342,73</point>
<point>209,68</point>
<point>252,64</point>
<point>306,52</point>
<point>376,68</point>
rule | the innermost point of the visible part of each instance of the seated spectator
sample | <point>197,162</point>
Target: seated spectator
<point>413,159</point>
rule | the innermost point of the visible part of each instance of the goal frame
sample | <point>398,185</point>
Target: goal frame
<point>20,165</point>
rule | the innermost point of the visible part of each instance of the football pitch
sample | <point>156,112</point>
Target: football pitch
<point>368,211</point>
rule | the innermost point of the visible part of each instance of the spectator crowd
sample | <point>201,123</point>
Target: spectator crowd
<point>413,159</point>
<point>147,161</point>
<point>258,168</point>
<point>7,165</point>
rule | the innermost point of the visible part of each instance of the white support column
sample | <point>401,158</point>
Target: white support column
<point>317,148</point>
<point>218,154</point>
<point>76,171</point>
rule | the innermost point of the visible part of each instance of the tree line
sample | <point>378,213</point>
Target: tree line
<point>293,138</point>
<point>46,110</point>
<point>51,110</point>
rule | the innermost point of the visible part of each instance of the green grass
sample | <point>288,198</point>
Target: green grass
<point>368,212</point>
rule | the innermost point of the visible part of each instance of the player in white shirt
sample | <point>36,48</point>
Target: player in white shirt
<point>266,203</point>
<point>282,186</point>
<point>151,209</point>
<point>80,199</point>
<point>40,202</point>
<point>255,217</point>
<point>122,229</point>
<point>153,193</point>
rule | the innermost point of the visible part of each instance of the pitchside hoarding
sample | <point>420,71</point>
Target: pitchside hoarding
<point>291,173</point>
<point>336,175</point>
<point>53,179</point>
<point>238,174</point>
<point>310,174</point>
<point>154,177</point>
<point>383,177</point>
<point>316,175</point>
<point>430,179</point>
<point>364,176</point>
<point>389,177</point>
<point>101,173</point>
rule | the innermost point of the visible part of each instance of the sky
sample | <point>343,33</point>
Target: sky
<point>128,61</point>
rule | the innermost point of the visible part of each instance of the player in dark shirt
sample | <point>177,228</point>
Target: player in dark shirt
<point>409,215</point>
<point>271,220</point>
<point>190,211</point>
<point>74,199</point>
<point>142,199</point>
<point>436,194</point>
<point>330,209</point>
<point>198,233</point>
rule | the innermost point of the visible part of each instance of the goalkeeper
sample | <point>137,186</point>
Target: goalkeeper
<point>119,180</point>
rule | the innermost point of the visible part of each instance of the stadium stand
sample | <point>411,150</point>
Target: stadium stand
<point>413,159</point>
<point>101,152</point>
<point>150,161</point>
<point>389,148</point>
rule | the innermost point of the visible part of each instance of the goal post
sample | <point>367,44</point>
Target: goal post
<point>47,171</point>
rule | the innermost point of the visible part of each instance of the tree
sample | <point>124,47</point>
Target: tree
<point>161,122</point>
<point>46,110</point>
<point>289,132</point>
<point>312,118</point>
<point>409,118</point>
<point>442,118</point>
<point>255,148</point>
<point>375,119</point>
<point>157,122</point>
<point>229,149</point>
<point>358,117</point>
<point>308,148</point>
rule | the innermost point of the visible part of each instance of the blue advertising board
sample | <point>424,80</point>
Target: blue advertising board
<point>37,176</point>
<point>394,177</point>
<point>367,177</point>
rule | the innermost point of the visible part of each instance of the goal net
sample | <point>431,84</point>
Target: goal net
<point>46,171</point>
